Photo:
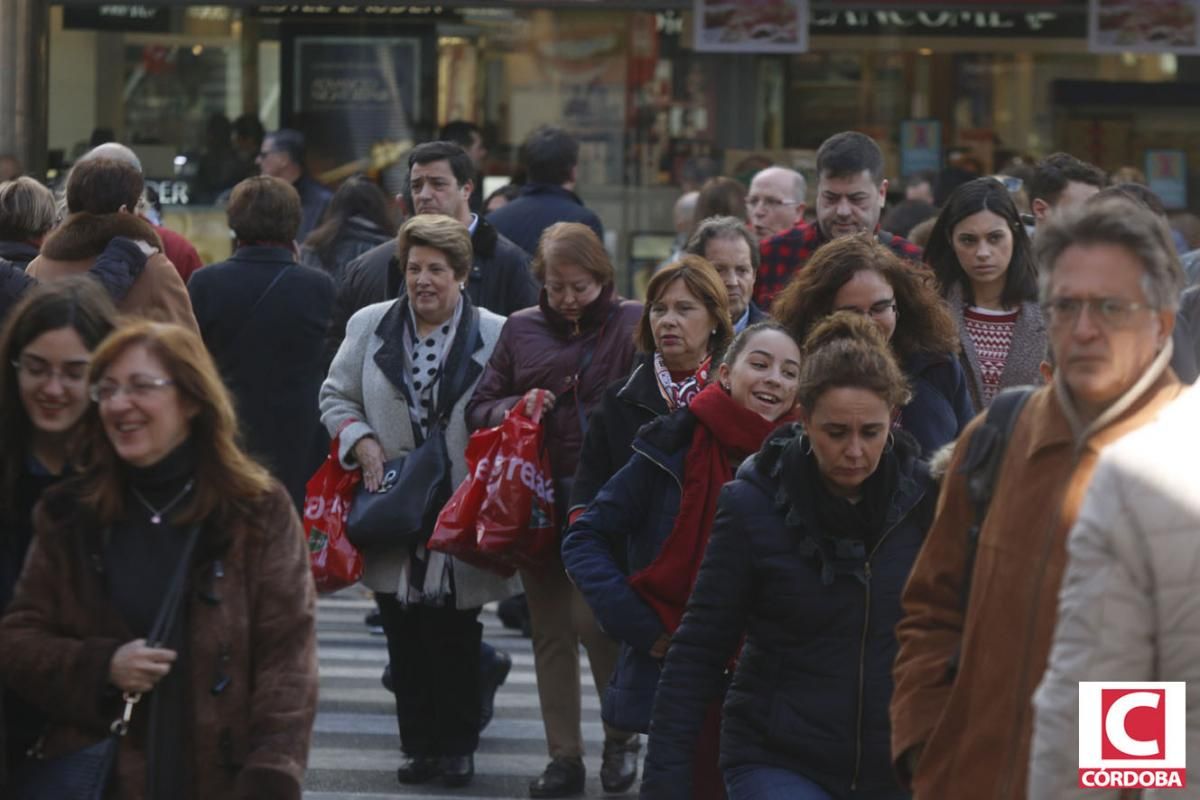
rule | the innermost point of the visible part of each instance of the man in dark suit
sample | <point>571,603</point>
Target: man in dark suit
<point>264,319</point>
<point>727,244</point>
<point>550,156</point>
<point>282,156</point>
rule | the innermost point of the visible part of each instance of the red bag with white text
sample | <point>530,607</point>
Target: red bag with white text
<point>336,563</point>
<point>517,519</point>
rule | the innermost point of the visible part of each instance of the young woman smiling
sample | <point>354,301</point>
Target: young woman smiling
<point>983,259</point>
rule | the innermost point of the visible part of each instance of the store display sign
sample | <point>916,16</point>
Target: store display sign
<point>1138,26</point>
<point>1166,172</point>
<point>144,19</point>
<point>357,76</point>
<point>751,26</point>
<point>920,145</point>
<point>949,22</point>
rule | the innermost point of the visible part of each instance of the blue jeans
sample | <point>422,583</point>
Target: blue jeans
<point>760,782</point>
<point>757,782</point>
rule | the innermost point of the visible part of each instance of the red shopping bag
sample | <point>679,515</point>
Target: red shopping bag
<point>454,532</point>
<point>516,521</point>
<point>336,563</point>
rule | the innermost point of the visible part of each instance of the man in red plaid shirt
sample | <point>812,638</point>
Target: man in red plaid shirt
<point>851,191</point>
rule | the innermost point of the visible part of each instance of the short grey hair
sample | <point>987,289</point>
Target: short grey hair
<point>799,184</point>
<point>721,228</point>
<point>1118,222</point>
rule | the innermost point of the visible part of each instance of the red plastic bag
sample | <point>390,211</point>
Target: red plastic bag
<point>336,563</point>
<point>454,532</point>
<point>517,519</point>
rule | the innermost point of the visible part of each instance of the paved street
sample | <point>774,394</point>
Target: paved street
<point>356,748</point>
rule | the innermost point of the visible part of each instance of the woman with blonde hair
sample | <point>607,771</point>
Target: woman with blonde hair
<point>166,506</point>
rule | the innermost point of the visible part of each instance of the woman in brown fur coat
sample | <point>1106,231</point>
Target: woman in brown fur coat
<point>229,694</point>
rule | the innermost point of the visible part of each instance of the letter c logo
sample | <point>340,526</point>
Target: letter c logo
<point>1114,724</point>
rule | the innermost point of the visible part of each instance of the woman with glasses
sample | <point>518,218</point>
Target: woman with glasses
<point>983,260</point>
<point>228,687</point>
<point>856,273</point>
<point>46,345</point>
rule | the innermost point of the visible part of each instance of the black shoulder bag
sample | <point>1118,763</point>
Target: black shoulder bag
<point>985,454</point>
<point>416,485</point>
<point>85,774</point>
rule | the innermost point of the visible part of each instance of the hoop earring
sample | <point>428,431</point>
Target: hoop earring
<point>891,443</point>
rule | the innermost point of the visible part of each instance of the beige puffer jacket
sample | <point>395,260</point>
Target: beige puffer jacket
<point>1129,609</point>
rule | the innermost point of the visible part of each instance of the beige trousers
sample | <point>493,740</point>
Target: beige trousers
<point>561,619</point>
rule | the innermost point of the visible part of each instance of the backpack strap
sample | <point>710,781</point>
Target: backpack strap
<point>985,454</point>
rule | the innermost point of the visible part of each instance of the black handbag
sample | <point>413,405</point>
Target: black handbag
<point>86,774</point>
<point>413,491</point>
<point>415,486</point>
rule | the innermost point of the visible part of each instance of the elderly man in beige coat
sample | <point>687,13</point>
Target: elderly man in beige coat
<point>1129,609</point>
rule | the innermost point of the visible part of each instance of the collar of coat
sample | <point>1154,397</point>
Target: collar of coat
<point>594,315</point>
<point>83,235</point>
<point>641,388</point>
<point>1056,421</point>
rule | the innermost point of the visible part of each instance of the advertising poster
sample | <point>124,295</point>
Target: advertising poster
<point>920,145</point>
<point>751,26</point>
<point>1144,26</point>
<point>1166,172</point>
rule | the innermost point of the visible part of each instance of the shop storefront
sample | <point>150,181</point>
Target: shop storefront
<point>653,114</point>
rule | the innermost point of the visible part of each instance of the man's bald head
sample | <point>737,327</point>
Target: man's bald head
<point>775,202</point>
<point>685,212</point>
<point>114,151</point>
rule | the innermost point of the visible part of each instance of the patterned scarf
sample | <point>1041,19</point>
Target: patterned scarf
<point>680,395</point>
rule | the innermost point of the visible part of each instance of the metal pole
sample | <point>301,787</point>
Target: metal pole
<point>24,73</point>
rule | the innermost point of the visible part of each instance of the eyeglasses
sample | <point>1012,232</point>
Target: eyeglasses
<point>769,203</point>
<point>876,311</point>
<point>139,388</point>
<point>39,370</point>
<point>1111,312</point>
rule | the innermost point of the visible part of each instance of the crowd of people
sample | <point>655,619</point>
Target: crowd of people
<point>768,472</point>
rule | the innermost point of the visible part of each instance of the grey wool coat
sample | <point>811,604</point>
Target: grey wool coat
<point>1025,354</point>
<point>357,390</point>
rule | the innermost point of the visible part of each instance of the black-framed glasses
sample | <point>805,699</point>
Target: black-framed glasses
<point>138,388</point>
<point>1111,312</point>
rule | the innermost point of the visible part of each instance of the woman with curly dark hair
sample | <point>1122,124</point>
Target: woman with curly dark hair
<point>856,273</point>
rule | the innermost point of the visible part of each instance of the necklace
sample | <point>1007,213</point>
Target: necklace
<point>156,514</point>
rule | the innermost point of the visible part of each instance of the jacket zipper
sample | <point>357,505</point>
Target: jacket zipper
<point>663,467</point>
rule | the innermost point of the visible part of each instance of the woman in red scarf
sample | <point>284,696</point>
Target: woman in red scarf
<point>635,552</point>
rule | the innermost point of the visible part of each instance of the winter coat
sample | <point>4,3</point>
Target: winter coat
<point>13,283</point>
<point>1025,353</point>
<point>539,349</point>
<point>811,686</point>
<point>314,199</point>
<point>72,249</point>
<point>627,405</point>
<point>1128,610</point>
<point>179,251</point>
<point>270,352</point>
<point>975,727</point>
<point>250,611</point>
<point>500,280</point>
<point>1185,357</point>
<point>621,533</point>
<point>18,253</point>
<point>539,206</point>
<point>941,404</point>
<point>368,401</point>
<point>356,236</point>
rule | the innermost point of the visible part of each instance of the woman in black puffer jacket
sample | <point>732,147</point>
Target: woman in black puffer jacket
<point>810,550</point>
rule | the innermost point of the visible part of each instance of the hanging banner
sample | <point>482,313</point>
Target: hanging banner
<point>751,26</point>
<point>1166,174</point>
<point>1138,26</point>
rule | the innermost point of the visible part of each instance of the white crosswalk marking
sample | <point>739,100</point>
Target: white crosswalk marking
<point>356,747</point>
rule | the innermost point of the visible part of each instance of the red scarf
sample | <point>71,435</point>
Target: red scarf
<point>723,429</point>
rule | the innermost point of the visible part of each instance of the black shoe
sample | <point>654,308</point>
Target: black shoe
<point>618,769</point>
<point>493,677</point>
<point>374,619</point>
<point>386,678</point>
<point>419,769</point>
<point>458,770</point>
<point>564,777</point>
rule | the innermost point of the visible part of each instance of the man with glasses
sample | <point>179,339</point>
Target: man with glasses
<point>851,191</point>
<point>966,672</point>
<point>776,201</point>
<point>282,156</point>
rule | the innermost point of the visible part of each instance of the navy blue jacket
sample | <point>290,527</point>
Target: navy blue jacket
<point>540,206</point>
<point>630,520</point>
<point>813,681</point>
<point>941,404</point>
